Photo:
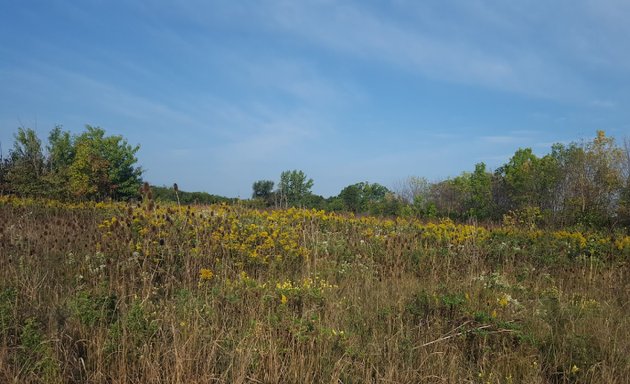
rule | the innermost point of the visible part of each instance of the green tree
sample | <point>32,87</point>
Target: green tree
<point>465,196</point>
<point>294,187</point>
<point>480,204</point>
<point>390,205</point>
<point>263,190</point>
<point>519,175</point>
<point>361,197</point>
<point>591,180</point>
<point>25,168</point>
<point>104,166</point>
<point>529,182</point>
<point>351,197</point>
<point>61,154</point>
<point>334,204</point>
<point>313,201</point>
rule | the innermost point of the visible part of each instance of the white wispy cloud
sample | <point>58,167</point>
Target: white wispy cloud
<point>298,79</point>
<point>525,48</point>
<point>355,30</point>
<point>528,47</point>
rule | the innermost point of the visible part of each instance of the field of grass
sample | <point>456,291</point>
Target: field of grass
<point>114,293</point>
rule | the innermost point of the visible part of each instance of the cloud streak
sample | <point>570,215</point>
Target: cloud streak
<point>511,48</point>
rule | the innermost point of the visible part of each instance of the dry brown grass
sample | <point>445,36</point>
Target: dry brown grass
<point>349,301</point>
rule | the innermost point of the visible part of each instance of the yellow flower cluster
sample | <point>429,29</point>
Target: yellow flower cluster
<point>253,240</point>
<point>505,299</point>
<point>575,239</point>
<point>446,232</point>
<point>316,284</point>
<point>263,236</point>
<point>623,243</point>
<point>206,274</point>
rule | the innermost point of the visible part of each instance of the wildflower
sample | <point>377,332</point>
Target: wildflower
<point>574,369</point>
<point>206,274</point>
<point>283,299</point>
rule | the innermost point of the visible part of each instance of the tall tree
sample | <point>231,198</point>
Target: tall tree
<point>61,154</point>
<point>592,179</point>
<point>529,181</point>
<point>520,178</point>
<point>351,197</point>
<point>263,190</point>
<point>469,195</point>
<point>361,197</point>
<point>104,166</point>
<point>480,203</point>
<point>26,164</point>
<point>294,187</point>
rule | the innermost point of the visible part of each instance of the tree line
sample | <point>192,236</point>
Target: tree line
<point>90,165</point>
<point>580,183</point>
<point>294,190</point>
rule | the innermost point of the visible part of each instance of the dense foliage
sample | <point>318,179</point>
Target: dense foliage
<point>90,165</point>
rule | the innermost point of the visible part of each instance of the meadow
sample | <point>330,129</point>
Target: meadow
<point>150,293</point>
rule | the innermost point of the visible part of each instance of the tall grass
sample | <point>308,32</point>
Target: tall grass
<point>111,293</point>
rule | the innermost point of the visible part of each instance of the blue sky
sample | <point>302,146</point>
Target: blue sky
<point>220,94</point>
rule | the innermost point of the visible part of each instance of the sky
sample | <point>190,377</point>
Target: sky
<point>219,94</point>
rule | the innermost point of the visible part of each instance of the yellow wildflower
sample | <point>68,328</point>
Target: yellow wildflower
<point>206,274</point>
